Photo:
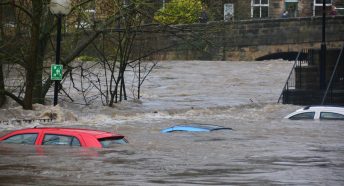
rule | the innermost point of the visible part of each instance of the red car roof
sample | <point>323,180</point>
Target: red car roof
<point>95,133</point>
<point>92,132</point>
<point>90,141</point>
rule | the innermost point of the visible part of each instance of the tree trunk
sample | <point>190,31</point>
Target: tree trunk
<point>32,60</point>
<point>38,94</point>
<point>2,84</point>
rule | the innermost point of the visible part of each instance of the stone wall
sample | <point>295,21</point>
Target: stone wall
<point>237,40</point>
<point>243,40</point>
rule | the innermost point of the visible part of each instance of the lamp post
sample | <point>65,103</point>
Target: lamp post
<point>323,50</point>
<point>59,8</point>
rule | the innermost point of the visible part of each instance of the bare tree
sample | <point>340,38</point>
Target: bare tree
<point>116,59</point>
<point>116,38</point>
<point>32,37</point>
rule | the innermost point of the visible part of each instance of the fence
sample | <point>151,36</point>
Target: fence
<point>303,58</point>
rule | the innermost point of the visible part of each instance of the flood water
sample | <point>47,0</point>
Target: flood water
<point>262,149</point>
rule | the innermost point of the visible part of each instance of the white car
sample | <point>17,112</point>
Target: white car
<point>318,112</point>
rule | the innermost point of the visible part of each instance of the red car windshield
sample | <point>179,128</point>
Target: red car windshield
<point>107,142</point>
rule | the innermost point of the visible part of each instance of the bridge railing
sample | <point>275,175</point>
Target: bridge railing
<point>303,58</point>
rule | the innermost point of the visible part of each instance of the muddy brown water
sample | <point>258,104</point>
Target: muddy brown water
<point>262,149</point>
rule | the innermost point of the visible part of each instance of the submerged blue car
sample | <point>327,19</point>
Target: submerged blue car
<point>195,127</point>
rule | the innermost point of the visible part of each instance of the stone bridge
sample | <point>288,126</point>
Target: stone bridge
<point>244,40</point>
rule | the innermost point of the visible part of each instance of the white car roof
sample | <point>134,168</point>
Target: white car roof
<point>335,109</point>
<point>325,108</point>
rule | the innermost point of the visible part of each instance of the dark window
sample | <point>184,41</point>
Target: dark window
<point>260,8</point>
<point>265,11</point>
<point>256,11</point>
<point>22,139</point>
<point>292,8</point>
<point>107,142</point>
<point>321,1</point>
<point>264,2</point>
<point>305,115</point>
<point>331,116</point>
<point>8,14</point>
<point>55,139</point>
<point>260,2</point>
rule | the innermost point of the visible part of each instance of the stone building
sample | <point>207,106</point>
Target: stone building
<point>248,9</point>
<point>242,9</point>
<point>217,10</point>
<point>245,9</point>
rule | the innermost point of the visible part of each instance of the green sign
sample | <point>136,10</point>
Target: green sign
<point>56,72</point>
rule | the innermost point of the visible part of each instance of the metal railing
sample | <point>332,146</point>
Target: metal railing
<point>337,76</point>
<point>303,58</point>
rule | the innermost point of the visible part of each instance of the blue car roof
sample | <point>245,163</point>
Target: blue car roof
<point>195,127</point>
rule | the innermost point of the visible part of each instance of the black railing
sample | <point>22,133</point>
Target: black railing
<point>337,78</point>
<point>303,58</point>
<point>302,85</point>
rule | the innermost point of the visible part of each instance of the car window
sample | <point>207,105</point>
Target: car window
<point>305,115</point>
<point>22,139</point>
<point>55,139</point>
<point>331,116</point>
<point>75,142</point>
<point>107,142</point>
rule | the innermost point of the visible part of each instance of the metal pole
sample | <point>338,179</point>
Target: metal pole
<point>58,46</point>
<point>323,50</point>
<point>139,84</point>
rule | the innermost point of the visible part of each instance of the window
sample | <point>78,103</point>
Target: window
<point>228,11</point>
<point>305,115</point>
<point>331,116</point>
<point>260,8</point>
<point>22,139</point>
<point>8,15</point>
<point>54,139</point>
<point>107,142</point>
<point>88,17</point>
<point>321,1</point>
<point>292,8</point>
<point>317,6</point>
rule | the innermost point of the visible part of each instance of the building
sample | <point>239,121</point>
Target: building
<point>256,9</point>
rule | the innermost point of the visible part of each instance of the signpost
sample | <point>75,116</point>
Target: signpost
<point>56,72</point>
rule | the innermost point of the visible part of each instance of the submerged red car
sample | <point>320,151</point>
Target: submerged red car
<point>64,136</point>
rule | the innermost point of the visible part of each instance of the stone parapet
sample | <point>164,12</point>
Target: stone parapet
<point>247,39</point>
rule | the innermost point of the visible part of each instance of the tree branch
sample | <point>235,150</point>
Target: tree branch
<point>14,97</point>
